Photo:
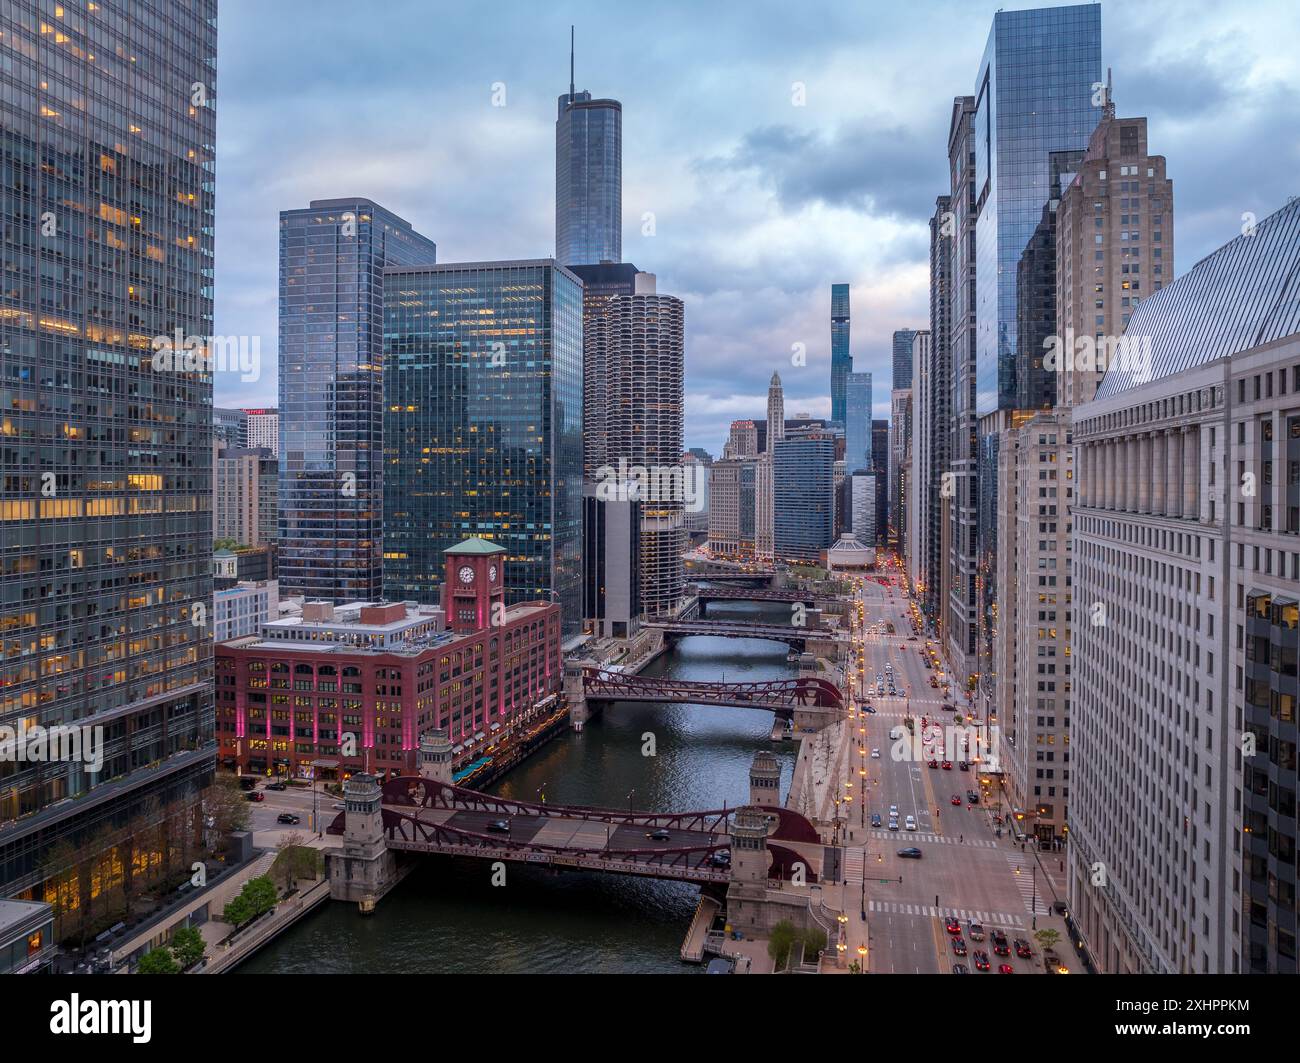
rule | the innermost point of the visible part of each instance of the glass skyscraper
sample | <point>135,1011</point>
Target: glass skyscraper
<point>332,258</point>
<point>588,180</point>
<point>857,422</point>
<point>841,358</point>
<point>803,490</point>
<point>902,351</point>
<point>1037,93</point>
<point>107,151</point>
<point>483,426</point>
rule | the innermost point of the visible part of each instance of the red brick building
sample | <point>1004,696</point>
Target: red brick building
<point>354,686</point>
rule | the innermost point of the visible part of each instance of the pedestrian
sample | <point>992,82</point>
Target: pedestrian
<point>961,838</point>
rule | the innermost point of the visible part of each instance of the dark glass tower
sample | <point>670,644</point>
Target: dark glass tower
<point>803,492</point>
<point>1036,93</point>
<point>483,429</point>
<point>857,422</point>
<point>902,351</point>
<point>588,180</point>
<point>106,494</point>
<point>841,358</point>
<point>332,258</point>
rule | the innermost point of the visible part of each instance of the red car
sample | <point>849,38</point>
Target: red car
<point>1005,968</point>
<point>947,765</point>
<point>954,927</point>
<point>956,801</point>
<point>933,764</point>
<point>1023,950</point>
<point>959,946</point>
<point>981,961</point>
<point>255,795</point>
<point>1000,947</point>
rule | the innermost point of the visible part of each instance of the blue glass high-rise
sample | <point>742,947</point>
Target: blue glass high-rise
<point>857,422</point>
<point>1037,92</point>
<point>332,257</point>
<point>483,426</point>
<point>841,357</point>
<point>588,180</point>
<point>803,496</point>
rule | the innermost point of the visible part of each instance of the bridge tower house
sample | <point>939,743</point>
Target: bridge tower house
<point>574,694</point>
<point>365,869</point>
<point>750,862</point>
<point>435,756</point>
<point>765,779</point>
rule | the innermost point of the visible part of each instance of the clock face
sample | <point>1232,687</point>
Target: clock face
<point>467,575</point>
<point>492,573</point>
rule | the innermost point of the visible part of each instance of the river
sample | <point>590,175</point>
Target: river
<point>447,917</point>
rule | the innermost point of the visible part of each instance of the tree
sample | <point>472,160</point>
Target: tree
<point>260,893</point>
<point>188,947</point>
<point>779,943</point>
<point>159,961</point>
<point>814,940</point>
<point>238,911</point>
<point>1047,938</point>
<point>296,862</point>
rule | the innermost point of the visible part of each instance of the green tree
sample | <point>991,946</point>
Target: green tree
<point>238,911</point>
<point>779,943</point>
<point>159,961</point>
<point>1047,938</point>
<point>814,940</point>
<point>261,894</point>
<point>296,862</point>
<point>188,947</point>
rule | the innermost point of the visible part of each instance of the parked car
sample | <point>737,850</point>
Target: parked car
<point>277,786</point>
<point>255,795</point>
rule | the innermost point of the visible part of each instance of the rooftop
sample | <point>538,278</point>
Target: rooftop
<point>475,545</point>
<point>1242,296</point>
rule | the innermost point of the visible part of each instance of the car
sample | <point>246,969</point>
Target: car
<point>286,817</point>
<point>953,926</point>
<point>499,826</point>
<point>932,764</point>
<point>893,811</point>
<point>1000,947</point>
<point>875,819</point>
<point>972,797</point>
<point>339,806</point>
<point>1023,950</point>
<point>911,638</point>
<point>962,766</point>
<point>975,931</point>
<point>959,946</point>
<point>875,754</point>
<point>868,708</point>
<point>660,835</point>
<point>911,853</point>
<point>946,765</point>
<point>981,960</point>
<point>1006,968</point>
<point>955,800</point>
<point>960,968</point>
<point>893,823</point>
<point>721,858</point>
<point>247,784</point>
<point>277,786</point>
<point>255,795</point>
<point>909,823</point>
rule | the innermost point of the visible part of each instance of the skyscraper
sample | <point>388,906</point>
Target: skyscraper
<point>902,365</point>
<point>857,423</point>
<point>332,258</point>
<point>264,429</point>
<point>588,179</point>
<point>804,491</point>
<point>600,284</point>
<point>880,467</point>
<point>643,335</point>
<point>841,356</point>
<point>108,208</point>
<point>939,415</point>
<point>774,432</point>
<point>483,425</point>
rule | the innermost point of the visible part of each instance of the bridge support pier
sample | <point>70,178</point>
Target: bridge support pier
<point>366,868</point>
<point>765,780</point>
<point>575,695</point>
<point>751,903</point>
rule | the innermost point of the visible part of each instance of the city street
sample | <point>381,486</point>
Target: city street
<point>964,869</point>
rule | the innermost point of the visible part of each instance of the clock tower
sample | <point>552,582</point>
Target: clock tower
<point>475,585</point>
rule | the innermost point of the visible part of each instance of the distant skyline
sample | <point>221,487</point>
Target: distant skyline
<point>759,205</point>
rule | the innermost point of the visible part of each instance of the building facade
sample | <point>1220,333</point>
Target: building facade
<point>803,489</point>
<point>841,353</point>
<point>229,427</point>
<point>1183,732</point>
<point>764,499</point>
<point>483,429</point>
<point>600,283</point>
<point>332,259</point>
<point>588,180</point>
<point>918,499</point>
<point>242,609</point>
<point>108,202</point>
<point>611,558</point>
<point>901,378</point>
<point>857,422</point>
<point>245,506</point>
<point>264,430</point>
<point>940,487</point>
<point>351,688</point>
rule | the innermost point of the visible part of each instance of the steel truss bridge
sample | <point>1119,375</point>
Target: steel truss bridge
<point>781,696</point>
<point>426,816</point>
<point>795,637</point>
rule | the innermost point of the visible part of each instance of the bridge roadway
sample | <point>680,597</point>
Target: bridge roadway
<point>427,816</point>
<point>798,637</point>
<point>781,696</point>
<point>727,594</point>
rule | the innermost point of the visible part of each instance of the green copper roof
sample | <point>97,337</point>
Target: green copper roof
<point>475,545</point>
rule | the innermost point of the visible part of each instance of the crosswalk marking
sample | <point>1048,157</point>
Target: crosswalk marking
<point>1030,891</point>
<point>966,915</point>
<point>932,839</point>
<point>853,865</point>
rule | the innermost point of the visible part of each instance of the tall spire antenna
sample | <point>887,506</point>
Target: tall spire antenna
<point>570,65</point>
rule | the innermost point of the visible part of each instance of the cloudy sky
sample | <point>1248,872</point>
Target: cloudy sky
<point>759,205</point>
